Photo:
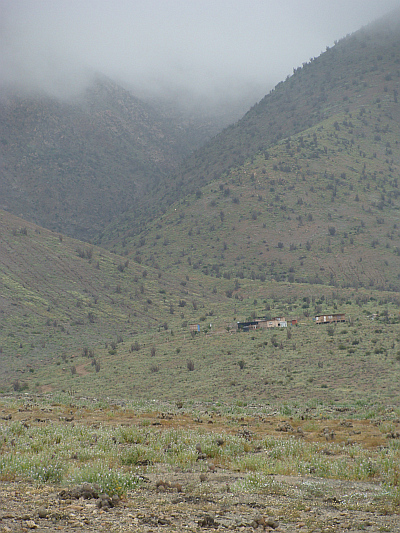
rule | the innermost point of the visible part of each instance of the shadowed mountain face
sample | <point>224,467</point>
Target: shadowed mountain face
<point>73,166</point>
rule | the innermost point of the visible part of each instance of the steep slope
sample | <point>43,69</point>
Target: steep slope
<point>59,295</point>
<point>356,70</point>
<point>359,70</point>
<point>319,206</point>
<point>73,166</point>
<point>323,208</point>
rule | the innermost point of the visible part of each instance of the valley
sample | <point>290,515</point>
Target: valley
<point>135,236</point>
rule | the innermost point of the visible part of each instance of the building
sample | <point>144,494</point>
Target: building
<point>194,327</point>
<point>330,319</point>
<point>278,322</point>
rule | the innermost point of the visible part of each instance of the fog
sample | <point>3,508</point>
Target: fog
<point>215,49</point>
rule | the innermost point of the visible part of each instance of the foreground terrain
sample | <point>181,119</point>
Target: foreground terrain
<point>194,467</point>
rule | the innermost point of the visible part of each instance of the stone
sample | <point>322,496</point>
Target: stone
<point>42,512</point>
<point>208,521</point>
<point>270,522</point>
<point>31,524</point>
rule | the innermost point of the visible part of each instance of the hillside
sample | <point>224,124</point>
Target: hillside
<point>77,318</point>
<point>310,225</point>
<point>60,297</point>
<point>354,72</point>
<point>73,166</point>
<point>319,206</point>
<point>323,208</point>
<point>361,72</point>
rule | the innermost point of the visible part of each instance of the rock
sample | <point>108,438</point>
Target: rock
<point>105,502</point>
<point>259,520</point>
<point>178,487</point>
<point>208,521</point>
<point>87,491</point>
<point>42,512</point>
<point>285,426</point>
<point>270,522</point>
<point>115,499</point>
<point>31,524</point>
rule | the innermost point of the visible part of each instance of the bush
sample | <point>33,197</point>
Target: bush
<point>190,365</point>
<point>135,346</point>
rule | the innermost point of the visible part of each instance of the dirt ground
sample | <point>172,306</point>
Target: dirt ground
<point>174,501</point>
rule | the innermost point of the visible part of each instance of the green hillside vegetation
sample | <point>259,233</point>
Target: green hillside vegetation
<point>359,74</point>
<point>63,297</point>
<point>124,367</point>
<point>301,223</point>
<point>322,209</point>
<point>80,319</point>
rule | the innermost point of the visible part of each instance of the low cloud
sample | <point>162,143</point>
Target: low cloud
<point>202,47</point>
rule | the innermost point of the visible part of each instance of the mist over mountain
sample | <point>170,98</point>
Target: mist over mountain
<point>292,209</point>
<point>304,188</point>
<point>210,51</point>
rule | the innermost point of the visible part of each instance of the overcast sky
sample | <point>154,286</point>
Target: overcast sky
<point>210,47</point>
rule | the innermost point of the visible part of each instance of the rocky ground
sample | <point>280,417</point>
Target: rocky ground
<point>209,496</point>
<point>183,502</point>
<point>193,501</point>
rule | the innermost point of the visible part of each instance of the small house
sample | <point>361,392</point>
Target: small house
<point>330,319</point>
<point>278,322</point>
<point>194,327</point>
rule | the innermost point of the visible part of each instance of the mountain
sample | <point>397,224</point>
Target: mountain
<point>304,188</point>
<point>358,69</point>
<point>299,219</point>
<point>73,166</point>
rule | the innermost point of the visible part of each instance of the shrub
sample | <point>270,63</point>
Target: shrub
<point>190,365</point>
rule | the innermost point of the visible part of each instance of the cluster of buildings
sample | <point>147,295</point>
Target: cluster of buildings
<point>279,322</point>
